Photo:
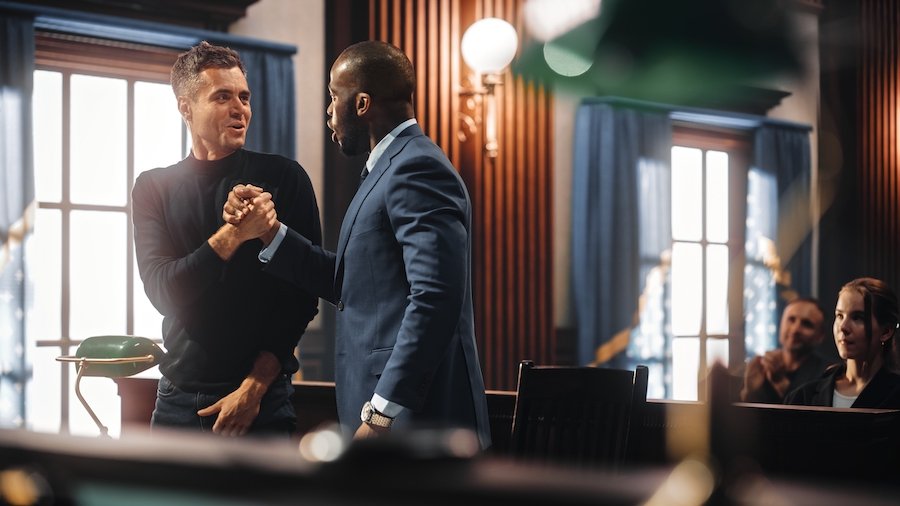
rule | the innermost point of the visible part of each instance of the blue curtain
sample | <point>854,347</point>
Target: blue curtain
<point>16,196</point>
<point>614,148</point>
<point>782,152</point>
<point>271,79</point>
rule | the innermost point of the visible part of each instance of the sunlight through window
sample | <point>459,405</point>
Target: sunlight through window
<point>700,265</point>
<point>87,283</point>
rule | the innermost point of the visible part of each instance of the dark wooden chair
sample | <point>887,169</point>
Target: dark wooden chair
<point>576,416</point>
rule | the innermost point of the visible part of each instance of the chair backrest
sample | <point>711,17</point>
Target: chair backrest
<point>577,416</point>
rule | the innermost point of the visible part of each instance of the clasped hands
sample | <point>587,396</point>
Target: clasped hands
<point>252,211</point>
<point>768,368</point>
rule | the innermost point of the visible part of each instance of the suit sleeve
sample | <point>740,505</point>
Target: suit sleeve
<point>171,280</point>
<point>302,217</point>
<point>305,264</point>
<point>427,208</point>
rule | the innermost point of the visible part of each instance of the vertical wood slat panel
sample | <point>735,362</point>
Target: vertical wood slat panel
<point>443,63</point>
<point>512,213</point>
<point>890,136</point>
<point>879,161</point>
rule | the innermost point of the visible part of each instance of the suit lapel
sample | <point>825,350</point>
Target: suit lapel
<point>363,192</point>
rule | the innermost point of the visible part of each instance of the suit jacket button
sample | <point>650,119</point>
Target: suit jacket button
<point>340,305</point>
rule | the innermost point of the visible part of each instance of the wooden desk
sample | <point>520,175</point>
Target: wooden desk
<point>819,442</point>
<point>779,440</point>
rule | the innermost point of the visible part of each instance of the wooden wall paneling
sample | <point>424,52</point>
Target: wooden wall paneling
<point>509,218</point>
<point>891,139</point>
<point>433,76</point>
<point>396,34</point>
<point>894,133</point>
<point>879,161</point>
<point>443,85</point>
<point>506,195</point>
<point>519,174</point>
<point>880,114</point>
<point>510,193</point>
<point>421,69</point>
<point>888,136</point>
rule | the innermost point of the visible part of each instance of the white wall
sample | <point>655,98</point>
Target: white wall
<point>302,24</point>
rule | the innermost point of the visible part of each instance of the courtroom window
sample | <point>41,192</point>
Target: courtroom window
<point>698,293</point>
<point>103,112</point>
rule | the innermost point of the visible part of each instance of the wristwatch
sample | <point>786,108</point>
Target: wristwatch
<point>371,416</point>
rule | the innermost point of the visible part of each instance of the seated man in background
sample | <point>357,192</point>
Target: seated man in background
<point>770,377</point>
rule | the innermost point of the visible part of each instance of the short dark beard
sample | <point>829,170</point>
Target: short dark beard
<point>356,135</point>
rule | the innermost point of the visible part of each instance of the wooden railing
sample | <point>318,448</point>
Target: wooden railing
<point>792,441</point>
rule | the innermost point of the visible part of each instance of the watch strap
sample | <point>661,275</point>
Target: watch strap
<point>375,417</point>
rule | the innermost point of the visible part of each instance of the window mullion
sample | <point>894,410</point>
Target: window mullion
<point>129,225</point>
<point>65,203</point>
<point>704,270</point>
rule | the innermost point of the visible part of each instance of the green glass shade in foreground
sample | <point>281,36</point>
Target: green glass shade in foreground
<point>117,356</point>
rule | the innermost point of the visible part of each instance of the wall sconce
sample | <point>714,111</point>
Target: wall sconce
<point>488,46</point>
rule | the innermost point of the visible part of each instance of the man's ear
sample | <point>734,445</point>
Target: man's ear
<point>363,103</point>
<point>184,107</point>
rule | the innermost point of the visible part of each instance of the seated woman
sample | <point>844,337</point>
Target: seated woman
<point>865,322</point>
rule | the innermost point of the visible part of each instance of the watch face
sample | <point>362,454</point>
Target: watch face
<point>366,414</point>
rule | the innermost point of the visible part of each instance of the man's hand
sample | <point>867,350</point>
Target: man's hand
<point>251,211</point>
<point>237,411</point>
<point>366,431</point>
<point>767,368</point>
<point>776,371</point>
<point>258,219</point>
<point>754,377</point>
<point>245,219</point>
<point>239,202</point>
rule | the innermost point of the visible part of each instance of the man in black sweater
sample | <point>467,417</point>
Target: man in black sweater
<point>229,329</point>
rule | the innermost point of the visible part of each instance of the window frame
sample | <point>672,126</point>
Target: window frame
<point>74,54</point>
<point>738,145</point>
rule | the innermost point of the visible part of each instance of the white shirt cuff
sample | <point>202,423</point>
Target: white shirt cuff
<point>386,407</point>
<point>269,251</point>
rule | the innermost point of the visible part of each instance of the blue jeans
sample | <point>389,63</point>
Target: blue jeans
<point>176,408</point>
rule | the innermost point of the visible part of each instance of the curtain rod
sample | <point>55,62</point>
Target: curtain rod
<point>133,30</point>
<point>699,115</point>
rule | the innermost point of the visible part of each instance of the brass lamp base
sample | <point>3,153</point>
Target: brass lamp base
<point>85,363</point>
<point>114,356</point>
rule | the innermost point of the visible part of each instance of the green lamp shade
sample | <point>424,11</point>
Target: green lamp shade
<point>117,356</point>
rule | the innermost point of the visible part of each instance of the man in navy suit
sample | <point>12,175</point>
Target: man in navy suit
<point>401,276</point>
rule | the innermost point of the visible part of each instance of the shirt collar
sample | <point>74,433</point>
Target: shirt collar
<point>383,144</point>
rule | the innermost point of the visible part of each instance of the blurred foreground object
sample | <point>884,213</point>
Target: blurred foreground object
<point>689,52</point>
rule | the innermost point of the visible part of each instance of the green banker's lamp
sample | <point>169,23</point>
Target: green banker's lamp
<point>111,357</point>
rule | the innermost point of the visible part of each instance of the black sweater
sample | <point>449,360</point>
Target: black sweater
<point>882,391</point>
<point>218,316</point>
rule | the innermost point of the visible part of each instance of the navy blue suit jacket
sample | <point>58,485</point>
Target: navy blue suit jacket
<point>401,280</point>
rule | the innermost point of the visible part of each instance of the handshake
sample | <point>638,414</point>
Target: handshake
<point>252,212</point>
